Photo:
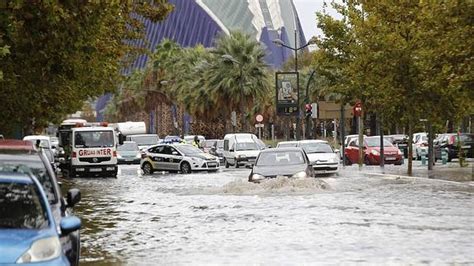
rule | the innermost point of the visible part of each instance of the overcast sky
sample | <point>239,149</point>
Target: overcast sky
<point>307,13</point>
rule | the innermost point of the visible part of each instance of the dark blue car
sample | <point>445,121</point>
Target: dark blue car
<point>28,232</point>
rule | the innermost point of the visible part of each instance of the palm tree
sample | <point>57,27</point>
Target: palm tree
<point>236,84</point>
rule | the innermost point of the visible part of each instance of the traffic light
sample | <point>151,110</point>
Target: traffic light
<point>309,109</point>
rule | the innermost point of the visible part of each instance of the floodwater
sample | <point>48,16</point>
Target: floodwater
<point>220,218</point>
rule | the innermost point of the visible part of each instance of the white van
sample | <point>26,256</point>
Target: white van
<point>240,149</point>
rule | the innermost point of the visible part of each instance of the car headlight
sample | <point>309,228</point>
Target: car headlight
<point>335,160</point>
<point>138,156</point>
<point>257,177</point>
<point>196,159</point>
<point>300,175</point>
<point>375,152</point>
<point>119,156</point>
<point>42,250</point>
<point>399,152</point>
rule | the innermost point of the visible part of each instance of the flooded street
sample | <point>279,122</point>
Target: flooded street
<point>220,218</point>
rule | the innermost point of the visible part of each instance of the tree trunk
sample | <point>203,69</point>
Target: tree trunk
<point>410,147</point>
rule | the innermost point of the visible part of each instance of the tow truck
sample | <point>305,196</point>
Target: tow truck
<point>90,149</point>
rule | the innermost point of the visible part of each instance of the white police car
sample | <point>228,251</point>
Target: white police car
<point>177,157</point>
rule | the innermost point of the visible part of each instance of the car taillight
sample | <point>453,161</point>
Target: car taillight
<point>451,139</point>
<point>114,153</point>
<point>74,154</point>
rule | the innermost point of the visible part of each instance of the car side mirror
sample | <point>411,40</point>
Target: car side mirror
<point>73,197</point>
<point>336,151</point>
<point>121,138</point>
<point>231,150</point>
<point>69,224</point>
<point>53,147</point>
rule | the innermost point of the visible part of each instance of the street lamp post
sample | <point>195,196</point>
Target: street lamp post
<point>230,58</point>
<point>307,102</point>
<point>295,49</point>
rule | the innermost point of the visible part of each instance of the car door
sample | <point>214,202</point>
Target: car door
<point>354,151</point>
<point>156,157</point>
<point>175,158</point>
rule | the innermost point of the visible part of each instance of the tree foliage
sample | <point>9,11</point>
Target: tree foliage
<point>62,53</point>
<point>206,84</point>
<point>406,61</point>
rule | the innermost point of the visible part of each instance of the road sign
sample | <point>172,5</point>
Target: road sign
<point>259,118</point>
<point>357,109</point>
<point>258,125</point>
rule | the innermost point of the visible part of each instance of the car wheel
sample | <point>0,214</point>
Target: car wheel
<point>71,173</point>
<point>366,160</point>
<point>347,161</point>
<point>226,163</point>
<point>185,168</point>
<point>147,169</point>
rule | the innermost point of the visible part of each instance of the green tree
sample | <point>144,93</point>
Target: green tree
<point>64,53</point>
<point>235,84</point>
<point>402,61</point>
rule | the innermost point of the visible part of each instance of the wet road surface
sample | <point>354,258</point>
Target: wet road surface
<point>220,218</point>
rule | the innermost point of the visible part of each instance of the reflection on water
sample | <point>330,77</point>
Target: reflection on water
<point>220,218</point>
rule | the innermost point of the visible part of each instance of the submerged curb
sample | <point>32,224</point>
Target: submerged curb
<point>396,176</point>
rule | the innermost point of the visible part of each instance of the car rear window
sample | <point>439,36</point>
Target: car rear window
<point>312,147</point>
<point>21,207</point>
<point>280,158</point>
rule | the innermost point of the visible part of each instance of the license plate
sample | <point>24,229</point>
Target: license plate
<point>211,165</point>
<point>391,158</point>
<point>95,170</point>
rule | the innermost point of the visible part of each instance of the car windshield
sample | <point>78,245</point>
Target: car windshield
<point>94,139</point>
<point>280,158</point>
<point>145,140</point>
<point>37,168</point>
<point>246,146</point>
<point>316,147</point>
<point>21,207</point>
<point>128,146</point>
<point>465,138</point>
<point>208,143</point>
<point>188,149</point>
<point>44,143</point>
<point>375,142</point>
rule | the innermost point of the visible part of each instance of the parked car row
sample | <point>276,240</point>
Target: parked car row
<point>36,225</point>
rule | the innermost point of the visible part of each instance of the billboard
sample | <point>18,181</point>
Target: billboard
<point>287,94</point>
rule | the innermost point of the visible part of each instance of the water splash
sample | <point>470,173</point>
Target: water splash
<point>279,185</point>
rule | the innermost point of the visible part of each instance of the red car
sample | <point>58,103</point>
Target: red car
<point>372,152</point>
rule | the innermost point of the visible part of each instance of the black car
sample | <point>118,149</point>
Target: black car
<point>39,165</point>
<point>286,162</point>
<point>401,142</point>
<point>450,142</point>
